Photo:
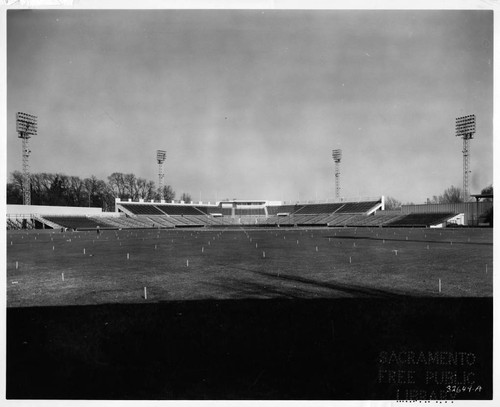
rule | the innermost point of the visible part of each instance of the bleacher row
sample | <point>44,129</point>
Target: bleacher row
<point>141,215</point>
<point>359,220</point>
<point>302,209</point>
<point>144,209</point>
<point>179,221</point>
<point>322,209</point>
<point>139,221</point>
<point>19,223</point>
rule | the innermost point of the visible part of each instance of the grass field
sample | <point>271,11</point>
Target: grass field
<point>245,313</point>
<point>81,268</point>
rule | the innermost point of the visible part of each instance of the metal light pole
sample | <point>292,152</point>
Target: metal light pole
<point>465,127</point>
<point>337,156</point>
<point>26,126</point>
<point>160,158</point>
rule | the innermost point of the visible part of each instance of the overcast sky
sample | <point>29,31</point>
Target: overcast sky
<point>249,104</point>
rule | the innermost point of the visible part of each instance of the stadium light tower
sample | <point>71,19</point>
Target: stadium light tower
<point>465,127</point>
<point>337,156</point>
<point>26,126</point>
<point>161,155</point>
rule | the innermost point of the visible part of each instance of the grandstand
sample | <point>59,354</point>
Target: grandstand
<point>76,222</point>
<point>258,213</point>
<point>322,214</point>
<point>141,209</point>
<point>245,212</point>
<point>421,220</point>
<point>315,209</point>
<point>283,209</point>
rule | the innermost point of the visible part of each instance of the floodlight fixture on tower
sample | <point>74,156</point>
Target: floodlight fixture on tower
<point>337,156</point>
<point>26,126</point>
<point>161,156</point>
<point>465,127</point>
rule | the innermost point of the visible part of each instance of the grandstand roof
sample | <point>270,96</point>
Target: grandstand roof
<point>481,196</point>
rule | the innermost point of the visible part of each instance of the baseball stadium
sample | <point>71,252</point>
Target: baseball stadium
<point>114,292</point>
<point>212,285</point>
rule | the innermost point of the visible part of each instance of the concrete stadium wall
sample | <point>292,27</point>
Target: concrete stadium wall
<point>23,210</point>
<point>471,210</point>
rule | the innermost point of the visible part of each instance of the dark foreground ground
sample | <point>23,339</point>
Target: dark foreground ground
<point>349,348</point>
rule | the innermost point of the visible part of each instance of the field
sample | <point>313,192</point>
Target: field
<point>246,313</point>
<point>241,264</point>
<point>238,264</point>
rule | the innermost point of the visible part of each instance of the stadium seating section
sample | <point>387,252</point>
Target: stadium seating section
<point>225,211</point>
<point>421,219</point>
<point>179,210</point>
<point>203,209</point>
<point>274,210</point>
<point>135,215</point>
<point>77,222</point>
<point>250,212</point>
<point>356,207</point>
<point>143,209</point>
<point>319,209</point>
<point>19,223</point>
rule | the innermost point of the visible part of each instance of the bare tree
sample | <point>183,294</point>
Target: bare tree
<point>141,185</point>
<point>186,197</point>
<point>15,189</point>
<point>94,189</point>
<point>60,189</point>
<point>130,182</point>
<point>145,189</point>
<point>488,190</point>
<point>452,195</point>
<point>40,187</point>
<point>17,179</point>
<point>150,190</point>
<point>168,193</point>
<point>116,183</point>
<point>58,192</point>
<point>433,200</point>
<point>76,191</point>
<point>392,204</point>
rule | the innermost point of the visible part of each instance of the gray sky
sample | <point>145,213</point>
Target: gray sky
<point>249,104</point>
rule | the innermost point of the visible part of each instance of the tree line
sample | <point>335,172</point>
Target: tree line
<point>63,190</point>
<point>449,196</point>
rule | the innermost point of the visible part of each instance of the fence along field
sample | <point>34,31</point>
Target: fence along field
<point>46,268</point>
